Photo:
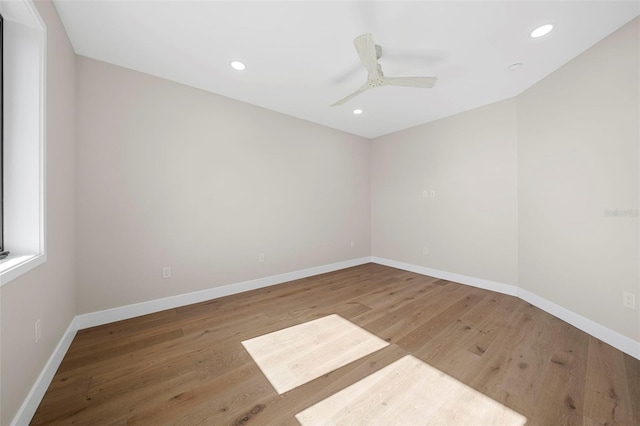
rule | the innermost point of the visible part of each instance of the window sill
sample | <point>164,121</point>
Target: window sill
<point>15,265</point>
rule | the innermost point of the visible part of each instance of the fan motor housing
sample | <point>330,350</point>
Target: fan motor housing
<point>376,81</point>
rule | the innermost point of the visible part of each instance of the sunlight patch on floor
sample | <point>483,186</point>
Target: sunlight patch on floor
<point>296,355</point>
<point>409,392</point>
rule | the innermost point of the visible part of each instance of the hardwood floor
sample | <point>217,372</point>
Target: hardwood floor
<point>187,366</point>
<point>296,355</point>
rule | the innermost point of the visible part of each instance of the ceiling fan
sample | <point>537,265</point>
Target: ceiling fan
<point>369,53</point>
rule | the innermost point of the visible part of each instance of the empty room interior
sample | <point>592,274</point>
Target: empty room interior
<point>294,212</point>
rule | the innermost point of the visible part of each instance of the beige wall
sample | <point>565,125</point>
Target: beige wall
<point>522,187</point>
<point>470,227</point>
<point>173,176</point>
<point>578,139</point>
<point>48,292</point>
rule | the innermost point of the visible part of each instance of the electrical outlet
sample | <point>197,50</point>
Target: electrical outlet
<point>261,258</point>
<point>425,251</point>
<point>433,193</point>
<point>425,194</point>
<point>628,300</point>
<point>38,330</point>
<point>166,272</point>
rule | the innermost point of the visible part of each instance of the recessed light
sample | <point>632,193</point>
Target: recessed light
<point>357,111</point>
<point>542,30</point>
<point>237,65</point>
<point>515,66</point>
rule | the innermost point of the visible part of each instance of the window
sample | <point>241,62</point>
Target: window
<point>3,252</point>
<point>23,138</point>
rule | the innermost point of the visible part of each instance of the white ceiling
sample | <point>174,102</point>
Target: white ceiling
<point>300,55</point>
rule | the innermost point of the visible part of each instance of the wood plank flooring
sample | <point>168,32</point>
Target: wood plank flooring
<point>187,366</point>
<point>296,355</point>
<point>409,392</point>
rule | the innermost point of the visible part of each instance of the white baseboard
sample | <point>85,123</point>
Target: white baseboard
<point>613,338</point>
<point>130,311</point>
<point>32,401</point>
<point>450,276</point>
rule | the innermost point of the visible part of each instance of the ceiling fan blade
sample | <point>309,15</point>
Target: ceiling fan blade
<point>366,49</point>
<point>425,82</point>
<point>351,96</point>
